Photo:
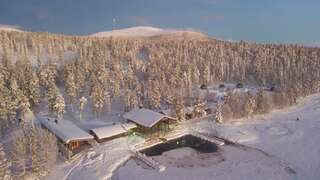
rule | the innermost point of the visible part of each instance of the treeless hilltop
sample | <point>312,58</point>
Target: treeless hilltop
<point>147,31</point>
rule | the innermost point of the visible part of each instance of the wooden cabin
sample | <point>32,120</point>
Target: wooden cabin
<point>71,139</point>
<point>150,123</point>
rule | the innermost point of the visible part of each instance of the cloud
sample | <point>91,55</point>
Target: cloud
<point>139,20</point>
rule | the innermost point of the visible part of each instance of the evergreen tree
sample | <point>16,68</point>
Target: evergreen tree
<point>59,107</point>
<point>178,108</point>
<point>5,172</point>
<point>98,98</point>
<point>20,151</point>
<point>82,103</point>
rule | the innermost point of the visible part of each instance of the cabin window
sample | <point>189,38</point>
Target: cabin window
<point>74,145</point>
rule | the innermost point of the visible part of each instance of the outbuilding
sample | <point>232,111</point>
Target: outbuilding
<point>71,139</point>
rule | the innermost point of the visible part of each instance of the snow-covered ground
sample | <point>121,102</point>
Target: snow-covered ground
<point>98,163</point>
<point>281,145</point>
<point>282,148</point>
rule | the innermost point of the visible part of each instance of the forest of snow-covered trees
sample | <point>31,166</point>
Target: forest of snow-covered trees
<point>60,70</point>
<point>69,73</point>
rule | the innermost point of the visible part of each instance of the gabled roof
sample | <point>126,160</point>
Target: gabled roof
<point>108,131</point>
<point>145,117</point>
<point>65,130</point>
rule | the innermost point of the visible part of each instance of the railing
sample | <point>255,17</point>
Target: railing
<point>207,137</point>
<point>149,161</point>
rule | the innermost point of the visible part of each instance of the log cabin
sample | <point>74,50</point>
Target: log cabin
<point>71,139</point>
<point>150,123</point>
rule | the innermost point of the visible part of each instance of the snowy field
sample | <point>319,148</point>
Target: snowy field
<point>281,145</point>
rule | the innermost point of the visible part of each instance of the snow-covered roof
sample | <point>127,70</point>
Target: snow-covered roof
<point>108,131</point>
<point>129,125</point>
<point>65,130</point>
<point>145,117</point>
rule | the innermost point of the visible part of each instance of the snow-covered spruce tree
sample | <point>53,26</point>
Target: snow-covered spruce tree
<point>218,114</point>
<point>108,101</point>
<point>34,147</point>
<point>48,74</point>
<point>249,105</point>
<point>51,95</point>
<point>5,164</point>
<point>199,109</point>
<point>20,143</point>
<point>43,150</point>
<point>33,89</point>
<point>130,100</point>
<point>154,95</point>
<point>263,105</point>
<point>82,102</point>
<point>71,89</point>
<point>98,98</point>
<point>50,149</point>
<point>233,100</point>
<point>14,88</point>
<point>7,106</point>
<point>23,107</point>
<point>59,107</point>
<point>178,108</point>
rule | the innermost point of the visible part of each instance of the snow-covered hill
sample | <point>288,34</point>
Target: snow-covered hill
<point>4,27</point>
<point>145,31</point>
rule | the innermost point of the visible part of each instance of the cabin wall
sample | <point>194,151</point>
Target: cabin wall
<point>159,129</point>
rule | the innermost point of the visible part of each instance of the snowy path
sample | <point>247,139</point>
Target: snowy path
<point>99,163</point>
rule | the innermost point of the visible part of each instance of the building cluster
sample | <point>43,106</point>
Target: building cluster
<point>72,139</point>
